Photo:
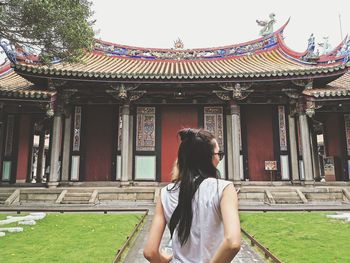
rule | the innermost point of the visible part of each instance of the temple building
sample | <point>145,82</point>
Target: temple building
<point>278,114</point>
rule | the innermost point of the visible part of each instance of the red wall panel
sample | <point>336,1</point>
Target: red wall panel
<point>172,120</point>
<point>98,146</point>
<point>23,147</point>
<point>334,141</point>
<point>260,148</point>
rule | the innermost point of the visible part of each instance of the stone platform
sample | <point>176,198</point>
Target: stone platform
<point>249,193</point>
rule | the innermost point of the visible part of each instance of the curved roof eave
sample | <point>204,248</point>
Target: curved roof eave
<point>15,87</point>
<point>332,55</point>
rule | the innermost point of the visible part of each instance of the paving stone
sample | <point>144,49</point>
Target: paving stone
<point>135,255</point>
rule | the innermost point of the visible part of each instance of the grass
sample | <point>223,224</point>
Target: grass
<point>69,238</point>
<point>300,236</point>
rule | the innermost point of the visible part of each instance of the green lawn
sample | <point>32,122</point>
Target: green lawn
<point>69,238</point>
<point>300,236</point>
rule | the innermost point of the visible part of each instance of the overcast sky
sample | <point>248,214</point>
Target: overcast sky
<point>204,23</point>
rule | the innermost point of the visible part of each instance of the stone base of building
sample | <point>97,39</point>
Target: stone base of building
<point>52,184</point>
<point>259,193</point>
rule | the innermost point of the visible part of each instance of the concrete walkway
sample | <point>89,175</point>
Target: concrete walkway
<point>246,255</point>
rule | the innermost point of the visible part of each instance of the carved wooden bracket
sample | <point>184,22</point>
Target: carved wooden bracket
<point>291,93</point>
<point>55,83</point>
<point>305,83</point>
<point>125,93</point>
<point>222,95</point>
<point>234,91</point>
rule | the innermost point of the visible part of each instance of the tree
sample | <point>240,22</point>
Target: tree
<point>48,28</point>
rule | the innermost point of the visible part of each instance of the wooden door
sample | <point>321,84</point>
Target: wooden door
<point>259,133</point>
<point>174,119</point>
<point>98,144</point>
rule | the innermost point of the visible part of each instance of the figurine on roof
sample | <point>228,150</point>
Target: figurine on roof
<point>311,44</point>
<point>345,49</point>
<point>326,46</point>
<point>178,44</point>
<point>9,50</point>
<point>267,25</point>
<point>311,55</point>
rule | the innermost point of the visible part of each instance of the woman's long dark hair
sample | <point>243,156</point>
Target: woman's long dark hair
<point>194,165</point>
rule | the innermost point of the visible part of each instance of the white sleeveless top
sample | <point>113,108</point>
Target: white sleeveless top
<point>207,230</point>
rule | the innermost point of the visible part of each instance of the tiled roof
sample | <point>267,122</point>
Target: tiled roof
<point>268,64</point>
<point>264,58</point>
<point>14,86</point>
<point>337,88</point>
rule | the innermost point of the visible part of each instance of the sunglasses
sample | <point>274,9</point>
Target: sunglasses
<point>221,155</point>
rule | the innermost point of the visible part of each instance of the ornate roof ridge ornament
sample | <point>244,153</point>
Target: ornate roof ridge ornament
<point>325,45</point>
<point>311,55</point>
<point>267,25</point>
<point>9,50</point>
<point>178,44</point>
<point>115,50</point>
<point>345,50</point>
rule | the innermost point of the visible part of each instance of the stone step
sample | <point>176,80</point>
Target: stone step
<point>286,197</point>
<point>252,197</point>
<point>3,196</point>
<point>75,202</point>
<point>285,194</point>
<point>76,198</point>
<point>38,197</point>
<point>126,196</point>
<point>324,196</point>
<point>80,190</point>
<point>7,191</point>
<point>78,194</point>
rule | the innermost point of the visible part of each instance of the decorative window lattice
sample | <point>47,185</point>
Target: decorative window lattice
<point>282,128</point>
<point>300,146</point>
<point>77,128</point>
<point>120,126</point>
<point>239,128</point>
<point>145,127</point>
<point>347,131</point>
<point>9,135</point>
<point>213,122</point>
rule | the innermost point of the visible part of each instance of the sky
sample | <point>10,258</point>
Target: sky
<point>204,23</point>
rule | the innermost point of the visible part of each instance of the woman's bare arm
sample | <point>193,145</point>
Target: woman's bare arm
<point>231,243</point>
<point>151,251</point>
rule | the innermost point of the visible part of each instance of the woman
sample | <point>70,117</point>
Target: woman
<point>200,210</point>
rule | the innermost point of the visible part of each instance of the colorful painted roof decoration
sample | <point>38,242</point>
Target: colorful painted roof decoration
<point>14,86</point>
<point>265,58</point>
<point>338,88</point>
